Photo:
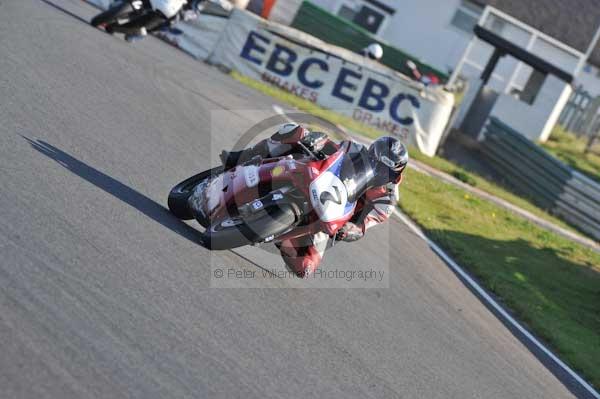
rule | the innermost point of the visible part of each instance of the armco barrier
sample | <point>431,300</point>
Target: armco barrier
<point>541,177</point>
<point>339,32</point>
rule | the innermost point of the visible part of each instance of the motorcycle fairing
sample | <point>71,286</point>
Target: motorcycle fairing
<point>356,170</point>
<point>324,191</point>
<point>329,195</point>
<point>251,175</point>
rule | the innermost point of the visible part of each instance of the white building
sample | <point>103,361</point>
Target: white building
<point>438,31</point>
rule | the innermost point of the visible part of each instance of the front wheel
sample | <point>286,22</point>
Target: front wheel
<point>179,195</point>
<point>235,232</point>
<point>109,16</point>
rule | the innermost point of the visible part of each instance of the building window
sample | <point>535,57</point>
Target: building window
<point>368,14</point>
<point>466,16</point>
<point>498,26</point>
<point>369,18</point>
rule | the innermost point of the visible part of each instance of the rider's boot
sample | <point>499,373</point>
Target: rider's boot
<point>303,255</point>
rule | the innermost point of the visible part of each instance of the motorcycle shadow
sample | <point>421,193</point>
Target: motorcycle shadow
<point>112,186</point>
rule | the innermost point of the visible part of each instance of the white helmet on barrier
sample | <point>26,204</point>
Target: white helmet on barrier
<point>374,51</point>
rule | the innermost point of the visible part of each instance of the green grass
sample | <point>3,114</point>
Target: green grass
<point>478,181</point>
<point>570,149</point>
<point>550,283</point>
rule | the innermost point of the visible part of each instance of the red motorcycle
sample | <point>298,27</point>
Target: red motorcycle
<point>275,199</point>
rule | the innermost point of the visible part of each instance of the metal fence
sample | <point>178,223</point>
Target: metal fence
<point>548,182</point>
<point>581,113</point>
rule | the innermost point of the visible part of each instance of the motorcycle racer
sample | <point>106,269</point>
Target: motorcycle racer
<point>156,15</point>
<point>388,158</point>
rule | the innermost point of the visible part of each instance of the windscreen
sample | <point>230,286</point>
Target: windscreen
<point>356,172</point>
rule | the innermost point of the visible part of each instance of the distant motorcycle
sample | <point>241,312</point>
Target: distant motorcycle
<point>275,199</point>
<point>139,17</point>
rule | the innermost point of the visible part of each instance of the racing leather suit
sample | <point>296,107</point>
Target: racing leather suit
<point>303,255</point>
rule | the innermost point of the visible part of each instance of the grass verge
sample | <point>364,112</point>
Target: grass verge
<point>550,283</point>
<point>570,149</point>
<point>475,180</point>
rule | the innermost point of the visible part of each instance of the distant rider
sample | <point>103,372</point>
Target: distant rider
<point>154,20</point>
<point>388,158</point>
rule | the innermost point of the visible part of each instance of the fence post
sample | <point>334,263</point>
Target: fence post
<point>591,140</point>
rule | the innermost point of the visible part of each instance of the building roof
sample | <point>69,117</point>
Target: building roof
<point>572,22</point>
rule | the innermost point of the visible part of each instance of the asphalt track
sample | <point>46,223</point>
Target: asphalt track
<point>104,294</point>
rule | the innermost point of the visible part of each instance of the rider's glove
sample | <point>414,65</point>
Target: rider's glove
<point>349,232</point>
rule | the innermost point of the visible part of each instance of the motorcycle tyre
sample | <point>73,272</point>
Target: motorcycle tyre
<point>179,195</point>
<point>273,221</point>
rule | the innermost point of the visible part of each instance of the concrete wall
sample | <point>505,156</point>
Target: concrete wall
<point>536,120</point>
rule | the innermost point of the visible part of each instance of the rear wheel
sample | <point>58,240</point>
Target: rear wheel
<point>179,195</point>
<point>109,16</point>
<point>234,232</point>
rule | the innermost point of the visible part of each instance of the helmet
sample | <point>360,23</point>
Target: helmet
<point>388,158</point>
<point>374,51</point>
